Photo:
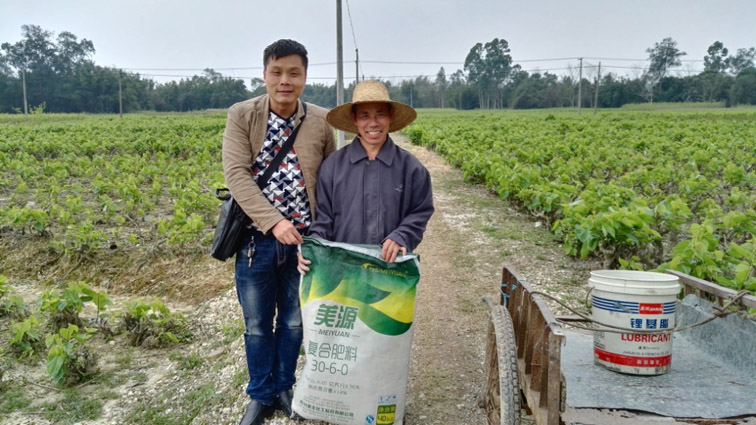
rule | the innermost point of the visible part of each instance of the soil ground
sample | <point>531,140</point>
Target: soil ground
<point>471,236</point>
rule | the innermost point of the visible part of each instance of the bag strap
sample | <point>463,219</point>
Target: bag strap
<point>288,144</point>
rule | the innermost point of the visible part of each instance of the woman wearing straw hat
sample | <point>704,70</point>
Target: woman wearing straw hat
<point>372,191</point>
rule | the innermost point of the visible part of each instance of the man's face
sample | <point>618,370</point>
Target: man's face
<point>372,121</point>
<point>284,79</point>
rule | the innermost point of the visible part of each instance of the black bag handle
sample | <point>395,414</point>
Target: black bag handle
<point>223,194</point>
<point>288,144</point>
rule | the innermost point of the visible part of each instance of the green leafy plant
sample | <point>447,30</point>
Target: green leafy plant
<point>187,362</point>
<point>65,305</point>
<point>742,261</point>
<point>38,110</point>
<point>14,307</point>
<point>4,286</point>
<point>28,220</point>
<point>84,237</point>
<point>180,229</point>
<point>152,324</point>
<point>632,263</point>
<point>4,365</point>
<point>101,300</point>
<point>68,359</point>
<point>27,340</point>
<point>233,331</point>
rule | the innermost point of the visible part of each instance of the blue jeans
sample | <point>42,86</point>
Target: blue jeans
<point>268,289</point>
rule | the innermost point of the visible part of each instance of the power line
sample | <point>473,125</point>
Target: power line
<point>351,24</point>
<point>462,63</point>
<point>549,60</point>
<point>531,70</point>
<point>235,77</point>
<point>244,68</point>
<point>413,63</point>
<point>192,69</point>
<point>349,13</point>
<point>640,68</point>
<point>248,68</point>
<point>519,61</point>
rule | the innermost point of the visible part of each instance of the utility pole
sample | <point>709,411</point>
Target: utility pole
<point>120,96</point>
<point>356,66</point>
<point>598,81</point>
<point>339,69</point>
<point>23,83</point>
<point>580,86</point>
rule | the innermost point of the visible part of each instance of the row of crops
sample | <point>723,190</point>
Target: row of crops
<point>89,182</point>
<point>640,189</point>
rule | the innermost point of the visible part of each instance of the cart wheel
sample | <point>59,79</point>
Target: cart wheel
<point>502,400</point>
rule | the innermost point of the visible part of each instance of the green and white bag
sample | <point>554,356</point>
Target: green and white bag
<point>357,313</point>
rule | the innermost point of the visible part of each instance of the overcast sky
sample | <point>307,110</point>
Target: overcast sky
<point>172,38</point>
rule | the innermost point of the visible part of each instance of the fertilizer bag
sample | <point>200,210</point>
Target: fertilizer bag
<point>357,313</point>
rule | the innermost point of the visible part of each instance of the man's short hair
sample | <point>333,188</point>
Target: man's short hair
<point>283,48</point>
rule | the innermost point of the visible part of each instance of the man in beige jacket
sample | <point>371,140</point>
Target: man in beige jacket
<point>267,280</point>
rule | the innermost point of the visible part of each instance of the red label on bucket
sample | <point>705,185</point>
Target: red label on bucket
<point>645,308</point>
<point>637,361</point>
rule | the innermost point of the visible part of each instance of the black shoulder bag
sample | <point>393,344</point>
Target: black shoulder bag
<point>233,220</point>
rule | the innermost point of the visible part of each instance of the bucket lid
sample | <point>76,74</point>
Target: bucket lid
<point>636,282</point>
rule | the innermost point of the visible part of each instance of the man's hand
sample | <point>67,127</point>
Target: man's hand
<point>391,249</point>
<point>286,233</point>
<point>303,264</point>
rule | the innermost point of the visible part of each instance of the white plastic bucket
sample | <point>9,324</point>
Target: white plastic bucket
<point>633,300</point>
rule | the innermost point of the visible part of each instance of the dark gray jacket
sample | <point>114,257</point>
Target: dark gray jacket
<point>365,202</point>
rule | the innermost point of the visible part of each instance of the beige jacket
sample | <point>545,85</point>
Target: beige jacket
<point>246,126</point>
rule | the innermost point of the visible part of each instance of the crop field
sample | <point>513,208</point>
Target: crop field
<point>640,189</point>
<point>90,182</point>
<point>637,188</point>
<point>98,213</point>
<point>104,193</point>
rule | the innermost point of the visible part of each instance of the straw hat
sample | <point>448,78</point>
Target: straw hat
<point>369,91</point>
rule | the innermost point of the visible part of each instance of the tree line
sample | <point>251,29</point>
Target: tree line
<point>58,75</point>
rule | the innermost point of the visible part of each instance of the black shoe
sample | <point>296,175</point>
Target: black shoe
<point>283,402</point>
<point>255,414</point>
